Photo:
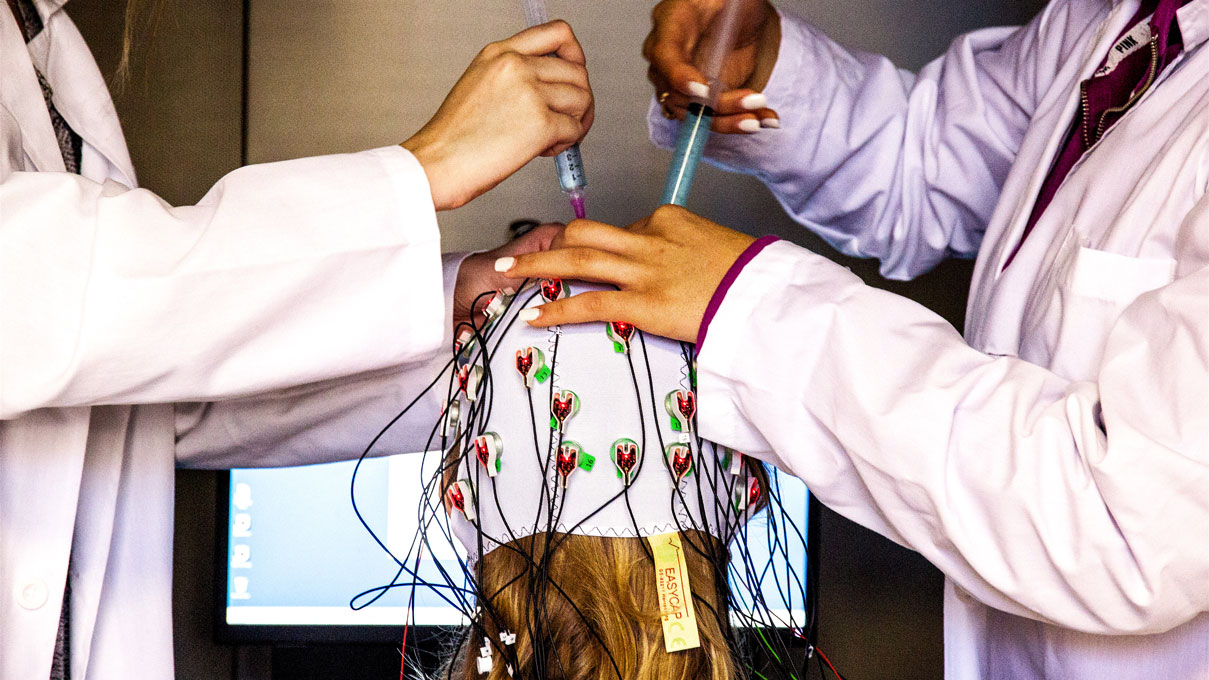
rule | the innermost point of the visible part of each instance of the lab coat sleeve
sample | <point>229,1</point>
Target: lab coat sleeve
<point>327,421</point>
<point>884,163</point>
<point>283,274</point>
<point>1084,504</point>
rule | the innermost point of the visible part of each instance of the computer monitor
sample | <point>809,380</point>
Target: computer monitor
<point>292,554</point>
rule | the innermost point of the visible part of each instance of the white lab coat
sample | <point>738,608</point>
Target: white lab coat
<point>1054,463</point>
<point>283,275</point>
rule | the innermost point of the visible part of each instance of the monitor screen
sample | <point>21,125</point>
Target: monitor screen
<point>296,555</point>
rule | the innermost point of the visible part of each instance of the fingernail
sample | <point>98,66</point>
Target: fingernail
<point>529,314</point>
<point>774,123</point>
<point>698,89</point>
<point>504,264</point>
<point>754,101</point>
<point>749,125</point>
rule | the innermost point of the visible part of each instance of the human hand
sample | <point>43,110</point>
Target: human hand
<point>477,275</point>
<point>680,30</point>
<point>520,98</point>
<point>667,267</point>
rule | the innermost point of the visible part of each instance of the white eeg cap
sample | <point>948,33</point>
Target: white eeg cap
<point>515,502</point>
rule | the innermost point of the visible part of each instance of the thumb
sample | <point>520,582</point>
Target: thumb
<point>669,47</point>
<point>536,240</point>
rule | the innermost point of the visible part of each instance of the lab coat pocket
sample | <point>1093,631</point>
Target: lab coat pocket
<point>1096,289</point>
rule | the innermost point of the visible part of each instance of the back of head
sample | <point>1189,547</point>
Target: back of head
<point>592,611</point>
<point>567,451</point>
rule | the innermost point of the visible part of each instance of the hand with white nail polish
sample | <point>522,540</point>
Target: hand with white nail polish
<point>485,272</point>
<point>680,30</point>
<point>665,268</point>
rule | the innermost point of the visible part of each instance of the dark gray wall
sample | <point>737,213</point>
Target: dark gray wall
<point>326,76</point>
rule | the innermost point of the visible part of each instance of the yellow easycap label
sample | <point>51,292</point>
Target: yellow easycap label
<point>675,595</point>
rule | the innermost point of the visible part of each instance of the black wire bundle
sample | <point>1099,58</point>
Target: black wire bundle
<point>767,644</point>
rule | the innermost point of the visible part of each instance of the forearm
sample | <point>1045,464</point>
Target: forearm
<point>284,274</point>
<point>324,421</point>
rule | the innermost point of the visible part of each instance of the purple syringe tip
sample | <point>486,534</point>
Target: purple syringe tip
<point>577,204</point>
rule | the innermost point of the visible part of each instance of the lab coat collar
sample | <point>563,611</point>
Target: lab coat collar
<point>80,93</point>
<point>1194,23</point>
<point>1060,105</point>
<point>1056,111</point>
<point>48,7</point>
<point>23,98</point>
<point>1193,19</point>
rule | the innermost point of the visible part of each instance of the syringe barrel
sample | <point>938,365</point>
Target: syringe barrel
<point>570,170</point>
<point>690,145</point>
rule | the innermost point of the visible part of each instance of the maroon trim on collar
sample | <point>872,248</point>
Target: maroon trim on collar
<point>727,281</point>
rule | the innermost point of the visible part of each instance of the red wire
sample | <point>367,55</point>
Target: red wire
<point>824,658</point>
<point>407,620</point>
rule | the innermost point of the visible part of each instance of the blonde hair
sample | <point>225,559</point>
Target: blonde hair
<point>598,616</point>
<point>142,18</point>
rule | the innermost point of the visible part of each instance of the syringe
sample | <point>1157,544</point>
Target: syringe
<point>694,130</point>
<point>569,163</point>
